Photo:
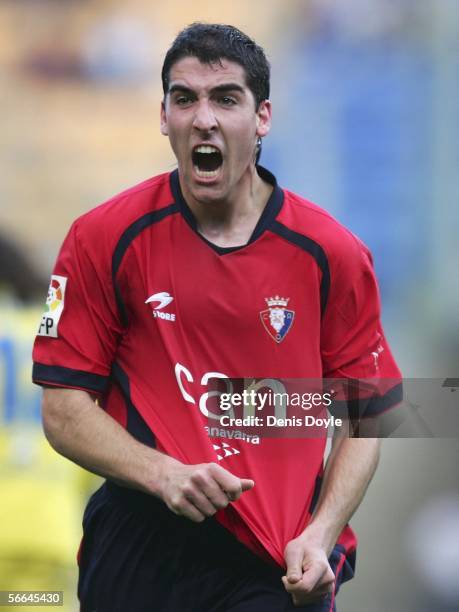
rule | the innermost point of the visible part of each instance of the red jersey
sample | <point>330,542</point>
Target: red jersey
<point>145,312</point>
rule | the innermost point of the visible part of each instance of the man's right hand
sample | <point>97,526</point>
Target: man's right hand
<point>83,432</point>
<point>199,491</point>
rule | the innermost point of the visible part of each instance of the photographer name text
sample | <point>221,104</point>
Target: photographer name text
<point>307,420</point>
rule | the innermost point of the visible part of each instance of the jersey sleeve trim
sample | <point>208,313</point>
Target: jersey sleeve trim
<point>66,377</point>
<point>126,239</point>
<point>314,249</point>
<point>370,407</point>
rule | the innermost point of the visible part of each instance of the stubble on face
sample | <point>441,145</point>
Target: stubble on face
<point>210,106</point>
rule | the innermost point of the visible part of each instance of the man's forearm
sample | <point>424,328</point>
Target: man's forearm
<point>81,431</point>
<point>349,469</point>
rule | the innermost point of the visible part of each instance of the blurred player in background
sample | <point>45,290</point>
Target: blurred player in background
<point>210,271</point>
<point>38,487</point>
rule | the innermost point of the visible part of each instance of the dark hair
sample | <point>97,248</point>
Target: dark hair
<point>212,42</point>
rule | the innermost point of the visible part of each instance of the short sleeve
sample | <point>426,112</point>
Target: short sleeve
<point>79,331</point>
<point>353,344</point>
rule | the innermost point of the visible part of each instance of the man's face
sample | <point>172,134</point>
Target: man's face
<point>210,117</point>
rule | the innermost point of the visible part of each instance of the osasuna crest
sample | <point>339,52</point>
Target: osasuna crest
<point>277,320</point>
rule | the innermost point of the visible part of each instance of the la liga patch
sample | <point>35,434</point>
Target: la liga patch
<point>55,303</point>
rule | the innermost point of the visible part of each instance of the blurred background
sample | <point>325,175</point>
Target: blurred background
<point>366,124</point>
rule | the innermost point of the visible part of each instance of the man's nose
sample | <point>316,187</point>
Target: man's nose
<point>204,119</point>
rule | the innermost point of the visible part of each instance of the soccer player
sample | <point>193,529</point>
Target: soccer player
<point>211,271</point>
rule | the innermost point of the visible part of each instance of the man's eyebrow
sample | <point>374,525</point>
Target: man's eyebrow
<point>181,89</point>
<point>224,88</point>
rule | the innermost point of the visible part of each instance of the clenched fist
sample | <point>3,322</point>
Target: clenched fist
<point>199,491</point>
<point>309,576</point>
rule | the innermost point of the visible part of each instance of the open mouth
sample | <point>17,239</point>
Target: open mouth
<point>206,160</point>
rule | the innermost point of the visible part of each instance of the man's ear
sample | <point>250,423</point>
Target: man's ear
<point>163,128</point>
<point>264,118</point>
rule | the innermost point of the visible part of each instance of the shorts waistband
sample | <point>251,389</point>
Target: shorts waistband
<point>134,499</point>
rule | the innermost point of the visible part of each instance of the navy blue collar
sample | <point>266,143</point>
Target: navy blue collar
<point>269,214</point>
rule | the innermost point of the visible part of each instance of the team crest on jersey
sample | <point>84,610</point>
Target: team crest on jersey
<point>55,303</point>
<point>277,319</point>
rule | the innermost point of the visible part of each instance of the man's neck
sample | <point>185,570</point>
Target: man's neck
<point>231,222</point>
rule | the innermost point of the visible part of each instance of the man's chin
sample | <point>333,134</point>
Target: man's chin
<point>207,194</point>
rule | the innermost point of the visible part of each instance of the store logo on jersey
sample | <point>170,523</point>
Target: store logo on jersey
<point>55,303</point>
<point>164,299</point>
<point>277,320</point>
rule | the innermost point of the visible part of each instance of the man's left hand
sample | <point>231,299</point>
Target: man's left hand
<point>309,577</point>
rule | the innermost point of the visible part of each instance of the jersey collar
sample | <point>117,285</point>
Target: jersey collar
<point>269,214</point>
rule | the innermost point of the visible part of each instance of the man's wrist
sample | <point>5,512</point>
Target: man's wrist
<point>322,535</point>
<point>159,465</point>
